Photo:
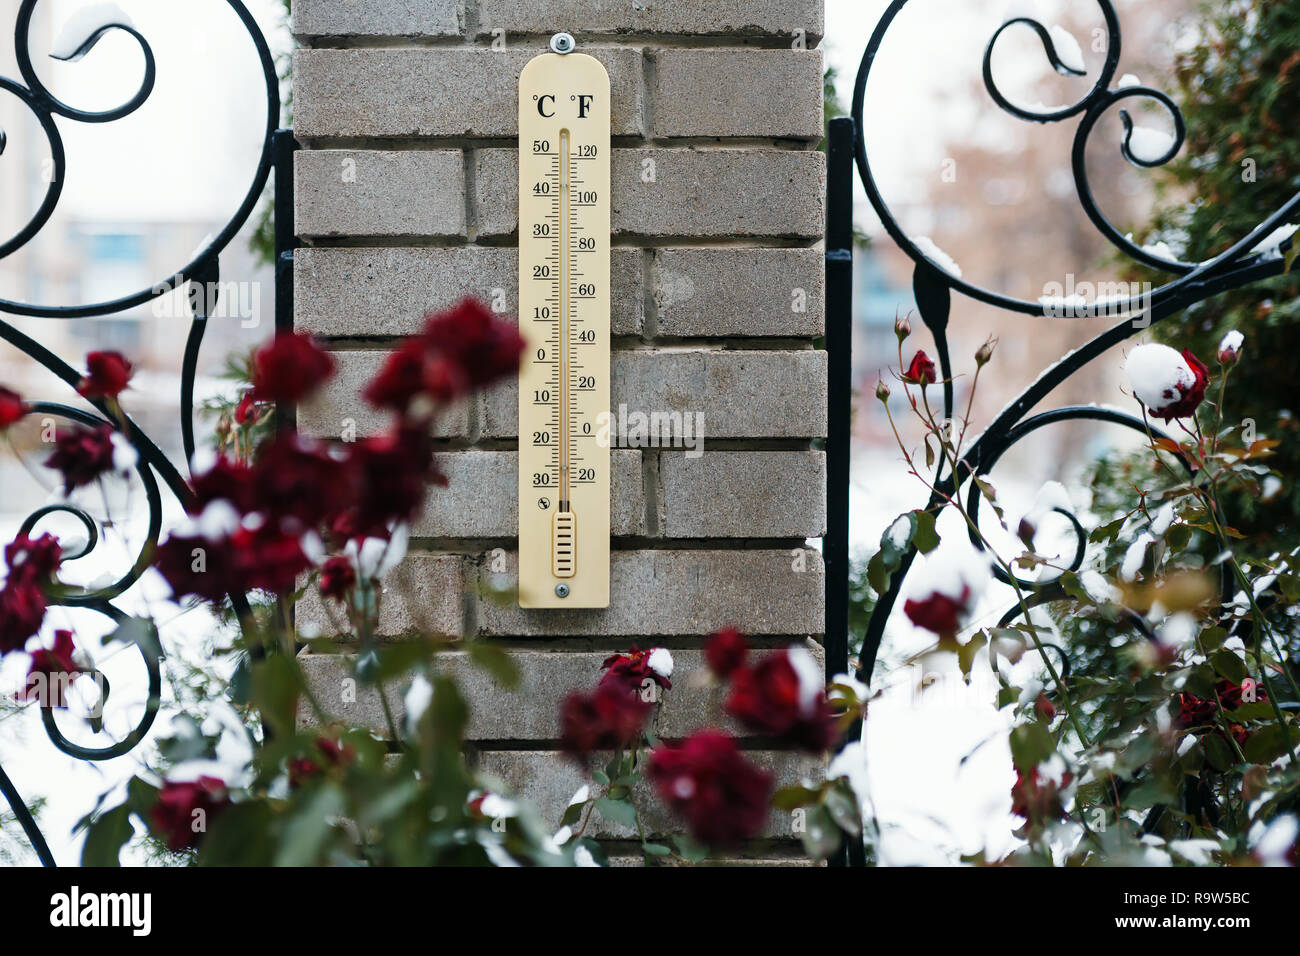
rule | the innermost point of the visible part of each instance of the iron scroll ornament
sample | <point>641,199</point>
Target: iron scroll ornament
<point>1240,265</point>
<point>154,470</point>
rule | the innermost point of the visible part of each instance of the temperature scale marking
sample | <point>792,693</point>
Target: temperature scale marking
<point>564,178</point>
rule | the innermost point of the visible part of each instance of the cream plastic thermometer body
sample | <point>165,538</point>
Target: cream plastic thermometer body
<point>564,178</point>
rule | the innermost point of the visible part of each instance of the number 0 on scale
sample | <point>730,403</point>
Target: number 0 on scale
<point>564,178</point>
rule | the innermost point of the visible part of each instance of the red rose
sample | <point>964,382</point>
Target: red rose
<point>81,455</point>
<point>785,698</point>
<point>298,478</point>
<point>1044,708</point>
<point>393,471</point>
<point>31,559</point>
<point>722,796</point>
<point>226,480</point>
<point>633,669</point>
<point>725,652</point>
<point>337,578</point>
<point>268,558</point>
<point>330,754</point>
<point>290,369</point>
<point>107,375</point>
<point>180,817</point>
<point>197,566</point>
<point>481,346</point>
<point>1190,396</point>
<point>938,612</point>
<point>608,718</point>
<point>12,408</point>
<point>52,671</point>
<point>921,371</point>
<point>460,350</point>
<point>22,611</point>
<point>1038,797</point>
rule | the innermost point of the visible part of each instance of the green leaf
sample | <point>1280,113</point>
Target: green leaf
<point>617,811</point>
<point>308,830</point>
<point>656,849</point>
<point>794,797</point>
<point>924,536</point>
<point>1031,744</point>
<point>1267,744</point>
<point>1229,665</point>
<point>106,837</point>
<point>1218,753</point>
<point>691,850</point>
<point>496,662</point>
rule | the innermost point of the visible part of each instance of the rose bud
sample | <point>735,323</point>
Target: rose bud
<point>12,409</point>
<point>986,351</point>
<point>921,371</point>
<point>1230,348</point>
<point>882,391</point>
<point>1168,384</point>
<point>107,375</point>
<point>902,328</point>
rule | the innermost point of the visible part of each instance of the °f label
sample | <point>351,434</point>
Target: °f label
<point>564,178</point>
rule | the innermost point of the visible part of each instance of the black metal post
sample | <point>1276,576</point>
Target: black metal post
<point>286,241</point>
<point>840,138</point>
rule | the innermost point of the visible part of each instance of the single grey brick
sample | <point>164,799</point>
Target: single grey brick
<point>339,411</point>
<point>750,292</point>
<point>687,193</point>
<point>747,18</point>
<point>738,93</point>
<point>424,595</point>
<point>377,18</point>
<point>740,394</point>
<point>482,497</point>
<point>436,91</point>
<point>548,781</point>
<point>363,193</point>
<point>743,494</point>
<point>530,711</point>
<point>690,592</point>
<point>370,292</point>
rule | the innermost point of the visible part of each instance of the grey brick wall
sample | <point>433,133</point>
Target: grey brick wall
<point>406,202</point>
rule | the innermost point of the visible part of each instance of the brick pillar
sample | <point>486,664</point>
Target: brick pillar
<point>406,201</point>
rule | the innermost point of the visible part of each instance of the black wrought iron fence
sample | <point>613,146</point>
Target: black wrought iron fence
<point>1240,265</point>
<point>200,279</point>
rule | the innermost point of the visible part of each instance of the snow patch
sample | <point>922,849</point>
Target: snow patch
<point>84,25</point>
<point>1158,375</point>
<point>1068,50</point>
<point>1149,145</point>
<point>928,248</point>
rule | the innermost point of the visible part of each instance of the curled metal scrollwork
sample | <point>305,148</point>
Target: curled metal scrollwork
<point>1240,265</point>
<point>153,469</point>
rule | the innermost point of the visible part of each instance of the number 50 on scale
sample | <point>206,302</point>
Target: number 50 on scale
<point>564,254</point>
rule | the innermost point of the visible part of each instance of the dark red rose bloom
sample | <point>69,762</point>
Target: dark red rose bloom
<point>1037,797</point>
<point>481,346</point>
<point>107,375</point>
<point>290,369</point>
<point>1196,711</point>
<point>1233,695</point>
<point>180,817</point>
<point>31,559</point>
<point>299,478</point>
<point>22,611</point>
<point>337,578</point>
<point>246,410</point>
<point>31,564</point>
<point>632,670</point>
<point>81,455</point>
<point>773,699</point>
<point>198,567</point>
<point>12,408</point>
<point>226,480</point>
<point>268,558</point>
<point>1190,396</point>
<point>400,379</point>
<point>1044,708</point>
<point>938,612</point>
<point>722,796</point>
<point>52,671</point>
<point>330,754</point>
<point>921,371</point>
<point>608,718</point>
<point>460,350</point>
<point>725,652</point>
<point>394,471</point>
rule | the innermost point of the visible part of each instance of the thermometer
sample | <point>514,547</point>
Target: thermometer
<point>564,249</point>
